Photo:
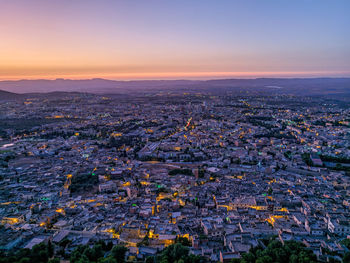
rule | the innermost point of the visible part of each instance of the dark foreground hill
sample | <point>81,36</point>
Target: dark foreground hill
<point>5,95</point>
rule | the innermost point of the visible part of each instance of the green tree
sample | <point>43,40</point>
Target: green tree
<point>23,253</point>
<point>77,253</point>
<point>173,253</point>
<point>249,258</point>
<point>98,252</point>
<point>293,259</point>
<point>89,253</point>
<point>269,191</point>
<point>183,241</point>
<point>119,252</point>
<point>107,260</point>
<point>83,259</point>
<point>50,249</point>
<point>346,242</point>
<point>40,253</point>
<point>275,251</point>
<point>346,258</point>
<point>150,259</point>
<point>264,259</point>
<point>109,246</point>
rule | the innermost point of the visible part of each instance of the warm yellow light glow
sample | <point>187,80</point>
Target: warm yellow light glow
<point>272,219</point>
<point>10,220</point>
<point>60,210</point>
<point>116,134</point>
<point>126,184</point>
<point>9,203</point>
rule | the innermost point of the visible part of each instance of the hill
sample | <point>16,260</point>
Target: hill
<point>6,95</point>
<point>296,86</point>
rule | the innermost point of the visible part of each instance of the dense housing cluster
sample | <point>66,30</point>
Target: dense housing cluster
<point>224,171</point>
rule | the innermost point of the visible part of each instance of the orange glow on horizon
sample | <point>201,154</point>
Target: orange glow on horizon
<point>178,75</point>
<point>121,40</point>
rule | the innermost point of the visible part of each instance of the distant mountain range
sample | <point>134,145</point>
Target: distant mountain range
<point>297,86</point>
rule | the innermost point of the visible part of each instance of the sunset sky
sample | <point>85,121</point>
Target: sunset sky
<point>171,39</point>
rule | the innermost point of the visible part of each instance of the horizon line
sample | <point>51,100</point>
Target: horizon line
<point>179,79</point>
<point>181,75</point>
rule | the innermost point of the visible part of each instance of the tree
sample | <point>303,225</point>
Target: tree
<point>183,241</point>
<point>40,253</point>
<point>63,243</point>
<point>275,251</point>
<point>264,259</point>
<point>249,258</point>
<point>89,253</point>
<point>23,253</point>
<point>107,260</point>
<point>83,259</point>
<point>293,258</point>
<point>173,253</point>
<point>97,252</point>
<point>50,249</point>
<point>77,253</point>
<point>150,259</point>
<point>269,191</point>
<point>109,246</point>
<point>346,242</point>
<point>280,254</point>
<point>118,252</point>
<point>346,258</point>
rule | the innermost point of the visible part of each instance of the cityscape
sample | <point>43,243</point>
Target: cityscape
<point>174,131</point>
<point>222,171</point>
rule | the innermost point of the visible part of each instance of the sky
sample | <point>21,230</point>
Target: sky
<point>173,39</point>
